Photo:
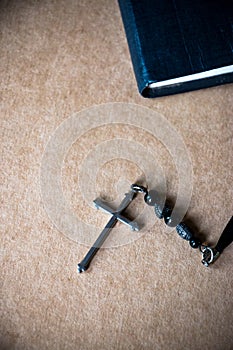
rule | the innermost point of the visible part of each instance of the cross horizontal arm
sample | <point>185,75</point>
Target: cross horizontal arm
<point>132,224</point>
<point>99,204</point>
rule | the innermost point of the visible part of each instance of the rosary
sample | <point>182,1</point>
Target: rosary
<point>209,255</point>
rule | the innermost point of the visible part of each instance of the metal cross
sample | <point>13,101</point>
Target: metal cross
<point>116,216</point>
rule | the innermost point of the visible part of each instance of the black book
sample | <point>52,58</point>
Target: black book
<point>179,45</point>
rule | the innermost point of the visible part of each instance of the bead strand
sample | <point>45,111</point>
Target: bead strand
<point>209,255</point>
<point>182,229</point>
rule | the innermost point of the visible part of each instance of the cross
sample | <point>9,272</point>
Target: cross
<point>116,216</point>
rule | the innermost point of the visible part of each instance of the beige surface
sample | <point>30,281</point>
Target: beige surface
<point>58,57</point>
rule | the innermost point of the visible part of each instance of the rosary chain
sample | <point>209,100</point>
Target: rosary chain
<point>208,254</point>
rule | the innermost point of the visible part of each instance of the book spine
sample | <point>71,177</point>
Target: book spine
<point>134,43</point>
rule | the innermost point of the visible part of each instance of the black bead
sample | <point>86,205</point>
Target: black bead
<point>152,197</point>
<point>184,232</point>
<point>148,199</point>
<point>164,213</point>
<point>194,243</point>
<point>167,212</point>
<point>158,211</point>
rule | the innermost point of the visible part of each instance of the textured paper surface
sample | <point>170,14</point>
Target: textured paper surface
<point>57,58</point>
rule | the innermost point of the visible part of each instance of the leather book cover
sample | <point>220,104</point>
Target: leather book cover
<point>179,45</point>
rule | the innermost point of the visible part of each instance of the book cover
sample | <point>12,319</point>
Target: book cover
<point>179,45</point>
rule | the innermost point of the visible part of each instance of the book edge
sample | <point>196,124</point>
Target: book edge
<point>192,77</point>
<point>187,86</point>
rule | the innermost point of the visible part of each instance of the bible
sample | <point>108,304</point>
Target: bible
<point>179,45</point>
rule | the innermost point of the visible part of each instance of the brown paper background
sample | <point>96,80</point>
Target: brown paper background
<point>57,58</point>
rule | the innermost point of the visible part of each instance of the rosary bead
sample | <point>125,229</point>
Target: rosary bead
<point>194,243</point>
<point>164,213</point>
<point>158,211</point>
<point>184,232</point>
<point>167,215</point>
<point>151,197</point>
<point>148,199</point>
